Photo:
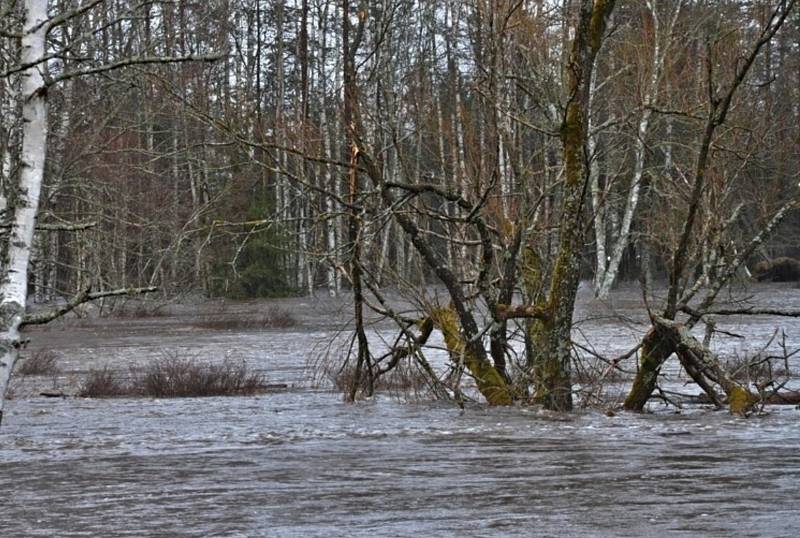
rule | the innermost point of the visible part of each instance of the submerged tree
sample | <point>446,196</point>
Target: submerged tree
<point>484,248</point>
<point>412,204</point>
<point>669,335</point>
<point>481,156</point>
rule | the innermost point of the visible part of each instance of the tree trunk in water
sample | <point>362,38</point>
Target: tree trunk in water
<point>14,287</point>
<point>553,387</point>
<point>678,336</point>
<point>354,219</point>
<point>656,349</point>
<point>491,384</point>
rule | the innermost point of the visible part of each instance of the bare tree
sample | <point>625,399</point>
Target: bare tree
<point>667,335</point>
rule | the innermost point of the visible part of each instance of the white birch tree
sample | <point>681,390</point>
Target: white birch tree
<point>610,249</point>
<point>24,205</point>
<point>14,284</point>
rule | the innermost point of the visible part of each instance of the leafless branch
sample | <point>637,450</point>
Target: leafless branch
<point>84,296</point>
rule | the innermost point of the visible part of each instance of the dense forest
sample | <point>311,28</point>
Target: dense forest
<point>502,150</point>
<point>230,177</point>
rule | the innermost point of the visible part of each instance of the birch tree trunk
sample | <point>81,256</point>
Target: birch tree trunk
<point>608,265</point>
<point>328,182</point>
<point>8,104</point>
<point>14,285</point>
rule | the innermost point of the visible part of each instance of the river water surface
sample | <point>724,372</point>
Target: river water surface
<point>301,462</point>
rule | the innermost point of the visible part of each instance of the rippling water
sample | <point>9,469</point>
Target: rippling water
<point>303,463</point>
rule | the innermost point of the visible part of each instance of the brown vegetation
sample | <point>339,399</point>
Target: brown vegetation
<point>591,372</point>
<point>175,377</point>
<point>42,362</point>
<point>279,318</point>
<point>137,310</point>
<point>404,379</point>
<point>756,370</point>
<point>781,269</point>
<point>104,383</point>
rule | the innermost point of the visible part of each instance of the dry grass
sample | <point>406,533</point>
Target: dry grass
<point>175,377</point>
<point>274,318</point>
<point>42,362</point>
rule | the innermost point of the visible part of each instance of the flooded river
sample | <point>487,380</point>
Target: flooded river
<point>300,462</point>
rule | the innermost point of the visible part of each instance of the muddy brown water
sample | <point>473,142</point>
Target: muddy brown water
<point>300,462</point>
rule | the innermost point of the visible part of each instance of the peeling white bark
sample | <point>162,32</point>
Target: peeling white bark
<point>8,97</point>
<point>14,285</point>
<point>598,194</point>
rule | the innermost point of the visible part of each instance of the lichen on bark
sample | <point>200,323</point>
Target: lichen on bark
<point>740,400</point>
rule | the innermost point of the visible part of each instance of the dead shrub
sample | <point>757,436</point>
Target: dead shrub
<point>136,310</point>
<point>755,369</point>
<point>590,372</point>
<point>402,379</point>
<point>228,324</point>
<point>174,377</point>
<point>279,318</point>
<point>42,362</point>
<point>104,383</point>
<point>781,269</point>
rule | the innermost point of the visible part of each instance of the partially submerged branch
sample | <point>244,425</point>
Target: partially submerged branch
<point>748,311</point>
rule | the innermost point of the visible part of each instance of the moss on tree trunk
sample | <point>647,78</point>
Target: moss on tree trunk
<point>490,382</point>
<point>553,387</point>
<point>656,349</point>
<point>666,337</point>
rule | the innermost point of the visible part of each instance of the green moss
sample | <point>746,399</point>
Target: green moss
<point>741,400</point>
<point>655,350</point>
<point>490,383</point>
<point>531,273</point>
